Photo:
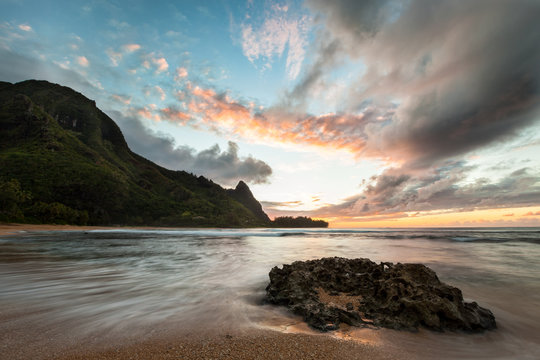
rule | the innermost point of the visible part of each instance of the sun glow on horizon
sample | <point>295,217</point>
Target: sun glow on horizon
<point>506,217</point>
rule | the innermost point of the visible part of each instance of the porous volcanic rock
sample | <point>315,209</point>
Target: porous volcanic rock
<point>360,292</point>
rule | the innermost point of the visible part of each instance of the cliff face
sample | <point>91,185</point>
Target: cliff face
<point>72,161</point>
<point>244,196</point>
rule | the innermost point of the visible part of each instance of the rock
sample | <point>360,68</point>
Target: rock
<point>359,292</point>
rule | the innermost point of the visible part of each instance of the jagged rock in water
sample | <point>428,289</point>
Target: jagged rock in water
<point>359,292</point>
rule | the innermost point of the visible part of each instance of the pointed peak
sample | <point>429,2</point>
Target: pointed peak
<point>242,185</point>
<point>244,196</point>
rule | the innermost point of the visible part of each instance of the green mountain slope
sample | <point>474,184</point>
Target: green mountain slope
<point>243,194</point>
<point>63,160</point>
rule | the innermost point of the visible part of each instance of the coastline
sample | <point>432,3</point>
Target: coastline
<point>17,228</point>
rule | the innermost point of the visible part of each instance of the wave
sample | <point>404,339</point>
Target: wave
<point>531,235</point>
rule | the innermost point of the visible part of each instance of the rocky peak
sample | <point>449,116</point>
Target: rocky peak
<point>244,196</point>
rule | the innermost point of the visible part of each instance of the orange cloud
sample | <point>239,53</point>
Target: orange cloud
<point>218,111</point>
<point>146,113</point>
<point>131,47</point>
<point>160,92</point>
<point>181,73</point>
<point>175,115</point>
<point>161,64</point>
<point>123,99</point>
<point>25,27</point>
<point>206,94</point>
<point>83,61</point>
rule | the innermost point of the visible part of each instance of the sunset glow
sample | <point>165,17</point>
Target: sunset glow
<point>512,217</point>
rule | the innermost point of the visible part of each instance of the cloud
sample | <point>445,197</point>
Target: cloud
<point>222,114</point>
<point>225,167</point>
<point>129,48</point>
<point>25,27</point>
<point>181,73</point>
<point>15,67</point>
<point>114,56</point>
<point>160,64</point>
<point>125,100</point>
<point>83,61</point>
<point>280,204</point>
<point>218,110</point>
<point>442,189</point>
<point>326,58</point>
<point>147,113</point>
<point>176,116</point>
<point>269,40</point>
<point>160,92</point>
<point>461,75</point>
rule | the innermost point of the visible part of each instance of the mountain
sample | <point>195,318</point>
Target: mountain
<point>63,160</point>
<point>243,195</point>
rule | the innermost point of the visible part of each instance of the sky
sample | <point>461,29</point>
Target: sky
<point>372,113</point>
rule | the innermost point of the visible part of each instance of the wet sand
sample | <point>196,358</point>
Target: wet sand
<point>257,344</point>
<point>28,340</point>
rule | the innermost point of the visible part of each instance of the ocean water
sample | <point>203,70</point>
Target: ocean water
<point>75,285</point>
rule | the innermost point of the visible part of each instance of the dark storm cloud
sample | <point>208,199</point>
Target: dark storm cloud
<point>227,167</point>
<point>442,189</point>
<point>224,167</point>
<point>465,74</point>
<point>362,19</point>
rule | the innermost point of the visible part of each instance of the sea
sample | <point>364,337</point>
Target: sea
<point>74,286</point>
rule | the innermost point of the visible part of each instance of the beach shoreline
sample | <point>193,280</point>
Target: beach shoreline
<point>17,228</point>
<point>25,339</point>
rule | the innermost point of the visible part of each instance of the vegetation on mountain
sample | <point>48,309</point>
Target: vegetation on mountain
<point>62,160</point>
<point>300,221</point>
<point>243,195</point>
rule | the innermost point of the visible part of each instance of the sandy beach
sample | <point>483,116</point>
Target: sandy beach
<point>257,344</point>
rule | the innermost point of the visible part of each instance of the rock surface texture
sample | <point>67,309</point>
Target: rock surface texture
<point>360,292</point>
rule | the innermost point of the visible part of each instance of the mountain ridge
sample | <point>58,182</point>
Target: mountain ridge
<point>73,160</point>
